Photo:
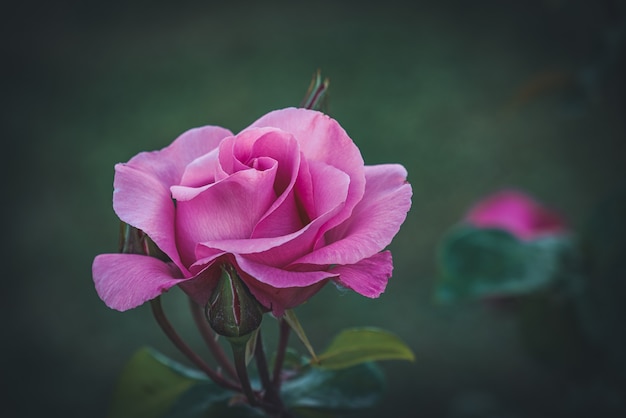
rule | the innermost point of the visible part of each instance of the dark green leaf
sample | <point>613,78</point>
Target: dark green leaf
<point>206,399</point>
<point>479,263</point>
<point>360,345</point>
<point>149,385</point>
<point>224,410</point>
<point>353,388</point>
<point>196,401</point>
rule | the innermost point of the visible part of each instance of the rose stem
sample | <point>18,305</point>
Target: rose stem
<point>280,352</point>
<point>239,354</point>
<point>168,329</point>
<point>261,364</point>
<point>209,339</point>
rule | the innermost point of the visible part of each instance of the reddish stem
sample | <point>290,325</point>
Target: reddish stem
<point>280,353</point>
<point>168,329</point>
<point>209,338</point>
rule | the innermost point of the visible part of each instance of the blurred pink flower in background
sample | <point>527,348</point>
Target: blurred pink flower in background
<point>517,213</point>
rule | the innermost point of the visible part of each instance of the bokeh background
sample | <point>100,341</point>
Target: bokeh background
<point>469,96</point>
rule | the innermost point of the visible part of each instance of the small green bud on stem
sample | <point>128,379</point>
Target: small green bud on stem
<point>232,311</point>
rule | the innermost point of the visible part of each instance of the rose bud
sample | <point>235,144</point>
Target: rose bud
<point>232,311</point>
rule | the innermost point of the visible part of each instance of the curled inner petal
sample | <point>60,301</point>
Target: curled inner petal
<point>228,209</point>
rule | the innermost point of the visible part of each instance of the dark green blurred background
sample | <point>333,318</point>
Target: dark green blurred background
<point>469,98</point>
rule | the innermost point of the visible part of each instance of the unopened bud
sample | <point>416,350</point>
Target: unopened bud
<point>135,241</point>
<point>232,311</point>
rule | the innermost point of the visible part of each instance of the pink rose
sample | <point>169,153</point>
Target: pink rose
<point>516,213</point>
<point>288,201</point>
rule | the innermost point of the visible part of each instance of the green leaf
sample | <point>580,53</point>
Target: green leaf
<point>478,263</point>
<point>205,400</point>
<point>149,385</point>
<point>292,320</point>
<point>348,389</point>
<point>196,401</point>
<point>360,345</point>
<point>224,410</point>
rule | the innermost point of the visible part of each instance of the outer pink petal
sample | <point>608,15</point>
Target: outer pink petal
<point>368,277</point>
<point>278,300</point>
<point>279,278</point>
<point>125,281</point>
<point>141,194</point>
<point>142,201</point>
<point>168,164</point>
<point>201,286</point>
<point>517,213</point>
<point>321,138</point>
<point>374,222</point>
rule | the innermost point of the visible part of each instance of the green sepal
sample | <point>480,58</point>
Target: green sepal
<point>251,345</point>
<point>482,263</point>
<point>294,323</point>
<point>359,345</point>
<point>316,97</point>
<point>135,241</point>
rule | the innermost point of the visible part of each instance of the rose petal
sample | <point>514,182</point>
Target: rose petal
<point>374,221</point>
<point>326,190</point>
<point>141,194</point>
<point>321,138</point>
<point>329,188</point>
<point>283,217</point>
<point>280,220</point>
<point>204,257</point>
<point>125,281</point>
<point>279,300</point>
<point>228,209</point>
<point>142,201</point>
<point>285,246</point>
<point>235,153</point>
<point>279,278</point>
<point>168,164</point>
<point>200,287</point>
<point>201,171</point>
<point>368,277</point>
